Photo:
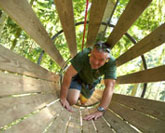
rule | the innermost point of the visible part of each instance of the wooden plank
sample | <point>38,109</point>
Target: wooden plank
<point>11,84</point>
<point>118,124</point>
<point>151,75</point>
<point>61,123</point>
<point>96,15</point>
<point>87,126</point>
<point>74,124</point>
<point>150,107</point>
<point>128,17</point>
<point>12,62</point>
<point>91,101</point>
<point>107,13</point>
<point>37,122</point>
<point>101,125</point>
<point>18,107</point>
<point>96,97</point>
<point>153,40</point>
<point>65,11</point>
<point>139,120</point>
<point>22,13</point>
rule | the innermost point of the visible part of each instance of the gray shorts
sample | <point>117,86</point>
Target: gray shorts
<point>85,89</point>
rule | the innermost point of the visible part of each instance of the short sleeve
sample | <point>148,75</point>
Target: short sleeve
<point>77,61</point>
<point>110,70</point>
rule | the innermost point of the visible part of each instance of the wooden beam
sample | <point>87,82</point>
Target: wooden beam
<point>141,121</point>
<point>62,119</point>
<point>153,40</point>
<point>107,14</point>
<point>130,14</point>
<point>74,125</point>
<point>87,126</point>
<point>17,107</point>
<point>9,61</point>
<point>146,106</point>
<point>96,15</point>
<point>101,125</point>
<point>37,123</point>
<point>96,97</point>
<point>119,125</point>
<point>22,13</point>
<point>65,11</point>
<point>151,75</point>
<point>11,84</point>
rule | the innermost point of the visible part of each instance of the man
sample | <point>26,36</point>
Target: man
<point>84,74</point>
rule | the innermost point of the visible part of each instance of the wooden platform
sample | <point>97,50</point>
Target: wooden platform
<point>29,101</point>
<point>40,110</point>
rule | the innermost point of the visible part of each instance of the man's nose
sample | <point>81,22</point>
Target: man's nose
<point>96,62</point>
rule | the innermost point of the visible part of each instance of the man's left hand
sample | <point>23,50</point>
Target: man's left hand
<point>93,116</point>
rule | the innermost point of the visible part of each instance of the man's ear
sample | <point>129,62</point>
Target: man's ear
<point>107,60</point>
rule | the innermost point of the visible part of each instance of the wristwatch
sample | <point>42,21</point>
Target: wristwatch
<point>100,109</point>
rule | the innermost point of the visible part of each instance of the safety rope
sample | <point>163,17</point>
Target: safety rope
<point>86,11</point>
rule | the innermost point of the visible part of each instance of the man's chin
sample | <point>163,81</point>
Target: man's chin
<point>94,67</point>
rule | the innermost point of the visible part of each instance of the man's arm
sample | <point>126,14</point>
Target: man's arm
<point>65,85</point>
<point>106,99</point>
<point>108,92</point>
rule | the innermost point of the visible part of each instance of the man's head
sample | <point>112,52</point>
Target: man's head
<point>99,55</point>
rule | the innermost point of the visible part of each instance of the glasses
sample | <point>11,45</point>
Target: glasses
<point>102,46</point>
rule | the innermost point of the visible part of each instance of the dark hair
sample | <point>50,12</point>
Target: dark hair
<point>102,46</point>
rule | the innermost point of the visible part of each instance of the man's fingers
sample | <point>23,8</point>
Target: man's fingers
<point>88,117</point>
<point>93,116</point>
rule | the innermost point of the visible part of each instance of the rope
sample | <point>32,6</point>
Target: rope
<point>86,10</point>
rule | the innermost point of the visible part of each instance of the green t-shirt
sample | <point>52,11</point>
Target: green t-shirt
<point>88,75</point>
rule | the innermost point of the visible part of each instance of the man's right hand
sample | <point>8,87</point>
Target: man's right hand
<point>65,104</point>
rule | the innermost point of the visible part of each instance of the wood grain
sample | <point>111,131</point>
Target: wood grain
<point>128,17</point>
<point>17,107</point>
<point>37,122</point>
<point>151,75</point>
<point>9,61</point>
<point>65,12</point>
<point>149,107</point>
<point>61,122</point>
<point>74,123</point>
<point>87,126</point>
<point>119,125</point>
<point>153,40</point>
<point>139,120</point>
<point>96,15</point>
<point>11,84</point>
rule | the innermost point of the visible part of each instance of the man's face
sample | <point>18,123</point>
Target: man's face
<point>97,58</point>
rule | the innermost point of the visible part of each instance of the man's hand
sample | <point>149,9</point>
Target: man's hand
<point>93,116</point>
<point>66,104</point>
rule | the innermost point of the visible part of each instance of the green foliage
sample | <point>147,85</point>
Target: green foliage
<point>162,95</point>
